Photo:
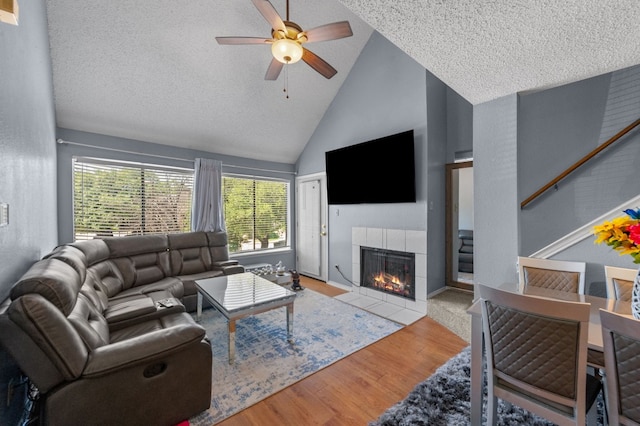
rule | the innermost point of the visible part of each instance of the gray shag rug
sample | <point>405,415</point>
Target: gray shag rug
<point>443,399</point>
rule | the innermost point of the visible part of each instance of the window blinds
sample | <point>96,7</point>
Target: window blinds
<point>256,213</point>
<point>124,198</point>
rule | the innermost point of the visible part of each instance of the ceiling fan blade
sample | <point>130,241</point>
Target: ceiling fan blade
<point>270,14</point>
<point>274,70</point>
<point>318,64</point>
<point>332,31</point>
<point>243,40</point>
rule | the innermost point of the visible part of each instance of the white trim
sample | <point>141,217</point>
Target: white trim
<point>321,177</point>
<point>585,231</point>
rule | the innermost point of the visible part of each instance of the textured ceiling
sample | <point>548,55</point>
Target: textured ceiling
<point>151,70</point>
<point>486,49</point>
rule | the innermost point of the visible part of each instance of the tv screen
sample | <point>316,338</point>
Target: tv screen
<point>377,171</point>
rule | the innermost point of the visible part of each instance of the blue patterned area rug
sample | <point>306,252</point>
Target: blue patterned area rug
<point>325,330</point>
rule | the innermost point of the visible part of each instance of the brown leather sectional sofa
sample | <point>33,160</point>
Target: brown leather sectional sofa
<point>101,328</point>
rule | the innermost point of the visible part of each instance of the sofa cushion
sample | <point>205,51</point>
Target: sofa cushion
<point>105,277</point>
<point>72,256</point>
<point>136,244</point>
<point>217,238</point>
<point>187,240</point>
<point>143,269</point>
<point>176,330</point>
<point>171,284</point>
<point>95,295</point>
<point>189,253</point>
<point>94,250</point>
<point>49,328</point>
<point>127,310</point>
<point>89,323</point>
<point>218,245</point>
<point>54,279</point>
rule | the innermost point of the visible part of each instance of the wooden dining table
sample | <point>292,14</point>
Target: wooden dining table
<point>477,340</point>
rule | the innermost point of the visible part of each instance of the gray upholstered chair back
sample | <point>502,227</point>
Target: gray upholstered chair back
<point>619,282</point>
<point>621,340</point>
<point>533,349</point>
<point>536,354</point>
<point>557,275</point>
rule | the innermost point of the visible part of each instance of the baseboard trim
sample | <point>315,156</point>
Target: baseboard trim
<point>341,286</point>
<point>437,292</point>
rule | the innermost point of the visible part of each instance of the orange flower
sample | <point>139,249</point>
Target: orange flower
<point>622,234</point>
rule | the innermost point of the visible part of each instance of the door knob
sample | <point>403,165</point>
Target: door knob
<point>323,233</point>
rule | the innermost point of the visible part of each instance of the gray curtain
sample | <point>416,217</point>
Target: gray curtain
<point>207,212</point>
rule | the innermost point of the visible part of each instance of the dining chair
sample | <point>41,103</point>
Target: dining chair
<point>560,275</point>
<point>621,342</point>
<point>619,282</point>
<point>536,352</point>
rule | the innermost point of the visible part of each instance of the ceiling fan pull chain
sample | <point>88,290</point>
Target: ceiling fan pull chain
<point>286,81</point>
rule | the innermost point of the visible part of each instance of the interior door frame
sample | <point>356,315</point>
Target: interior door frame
<point>449,203</point>
<point>324,216</point>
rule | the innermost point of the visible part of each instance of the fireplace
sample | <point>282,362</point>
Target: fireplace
<point>388,271</point>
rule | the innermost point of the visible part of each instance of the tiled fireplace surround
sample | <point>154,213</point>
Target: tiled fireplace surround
<point>399,240</point>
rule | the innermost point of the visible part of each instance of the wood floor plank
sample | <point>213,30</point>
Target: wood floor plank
<point>361,386</point>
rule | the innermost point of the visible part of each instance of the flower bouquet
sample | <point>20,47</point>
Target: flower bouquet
<point>623,235</point>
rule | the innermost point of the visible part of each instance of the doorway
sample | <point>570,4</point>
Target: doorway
<point>311,228</point>
<point>459,225</point>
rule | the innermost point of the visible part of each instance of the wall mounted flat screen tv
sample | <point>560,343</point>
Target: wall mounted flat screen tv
<point>377,171</point>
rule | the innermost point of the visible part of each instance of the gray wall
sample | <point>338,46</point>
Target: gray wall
<point>556,128</point>
<point>459,125</point>
<point>155,154</point>
<point>27,143</point>
<point>27,149</point>
<point>385,93</point>
<point>436,180</point>
<point>495,191</point>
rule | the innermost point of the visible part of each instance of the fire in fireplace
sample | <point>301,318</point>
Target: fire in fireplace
<point>388,271</point>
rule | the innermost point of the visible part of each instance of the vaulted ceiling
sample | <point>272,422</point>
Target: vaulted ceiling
<point>152,70</point>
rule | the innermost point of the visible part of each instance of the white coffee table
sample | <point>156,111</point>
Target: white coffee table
<point>240,295</point>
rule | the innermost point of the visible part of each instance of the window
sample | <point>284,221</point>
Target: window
<point>123,198</point>
<point>256,213</point>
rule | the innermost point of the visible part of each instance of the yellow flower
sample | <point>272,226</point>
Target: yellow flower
<point>602,236</point>
<point>615,233</point>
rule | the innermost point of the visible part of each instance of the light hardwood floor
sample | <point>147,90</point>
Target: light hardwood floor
<point>360,387</point>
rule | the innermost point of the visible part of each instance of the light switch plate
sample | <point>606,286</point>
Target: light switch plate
<point>4,214</point>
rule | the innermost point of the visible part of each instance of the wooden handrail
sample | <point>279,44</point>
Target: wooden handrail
<point>580,162</point>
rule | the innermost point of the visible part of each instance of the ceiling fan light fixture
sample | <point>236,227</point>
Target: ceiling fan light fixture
<point>286,51</point>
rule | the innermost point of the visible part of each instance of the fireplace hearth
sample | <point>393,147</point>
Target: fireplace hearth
<point>388,271</point>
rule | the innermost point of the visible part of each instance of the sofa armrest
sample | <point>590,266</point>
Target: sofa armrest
<point>141,348</point>
<point>128,309</point>
<point>221,264</point>
<point>234,269</point>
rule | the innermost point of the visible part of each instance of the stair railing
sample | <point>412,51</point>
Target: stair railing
<point>580,162</point>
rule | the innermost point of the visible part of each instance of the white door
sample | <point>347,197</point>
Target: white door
<point>311,244</point>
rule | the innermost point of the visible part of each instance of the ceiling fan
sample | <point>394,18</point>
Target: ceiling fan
<point>287,40</point>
